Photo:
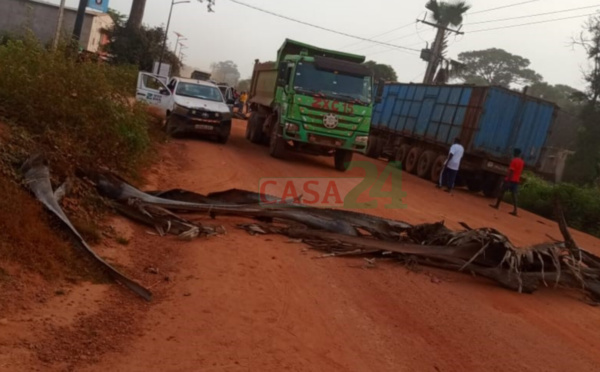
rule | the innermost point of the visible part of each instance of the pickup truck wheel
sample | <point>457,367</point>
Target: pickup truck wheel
<point>401,154</point>
<point>412,159</point>
<point>437,168</point>
<point>255,123</point>
<point>276,143</point>
<point>425,164</point>
<point>342,159</point>
<point>224,135</point>
<point>169,126</point>
<point>247,129</point>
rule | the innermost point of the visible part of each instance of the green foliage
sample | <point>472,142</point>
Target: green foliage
<point>581,204</point>
<point>381,71</point>
<point>139,46</point>
<point>496,67</point>
<point>583,167</point>
<point>79,113</point>
<point>566,97</point>
<point>445,13</point>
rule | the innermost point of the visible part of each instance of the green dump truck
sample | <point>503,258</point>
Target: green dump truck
<point>312,100</point>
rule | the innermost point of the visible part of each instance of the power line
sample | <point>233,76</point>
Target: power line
<point>533,15</point>
<point>387,41</point>
<point>378,35</point>
<point>531,23</point>
<point>321,27</point>
<point>503,7</point>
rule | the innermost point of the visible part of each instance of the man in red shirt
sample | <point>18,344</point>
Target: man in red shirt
<point>511,182</point>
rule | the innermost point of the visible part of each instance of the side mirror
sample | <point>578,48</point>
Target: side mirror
<point>282,75</point>
<point>379,94</point>
<point>164,92</point>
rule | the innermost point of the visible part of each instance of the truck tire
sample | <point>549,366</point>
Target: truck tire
<point>247,129</point>
<point>255,123</point>
<point>169,126</point>
<point>436,169</point>
<point>401,154</point>
<point>372,147</point>
<point>412,159</point>
<point>276,142</point>
<point>491,185</point>
<point>224,135</point>
<point>474,183</point>
<point>342,159</point>
<point>425,164</point>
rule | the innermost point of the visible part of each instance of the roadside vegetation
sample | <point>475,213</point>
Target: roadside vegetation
<point>80,115</point>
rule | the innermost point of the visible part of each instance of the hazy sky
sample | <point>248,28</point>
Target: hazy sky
<point>237,33</point>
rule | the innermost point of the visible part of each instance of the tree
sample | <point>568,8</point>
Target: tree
<point>584,165</point>
<point>444,14</point>
<point>225,72</point>
<point>566,97</point>
<point>497,67</point>
<point>381,71</point>
<point>136,14</point>
<point>243,85</point>
<point>140,47</point>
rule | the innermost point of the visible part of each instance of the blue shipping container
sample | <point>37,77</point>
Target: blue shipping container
<point>490,121</point>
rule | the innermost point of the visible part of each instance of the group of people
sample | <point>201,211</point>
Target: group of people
<point>511,181</point>
<point>241,101</point>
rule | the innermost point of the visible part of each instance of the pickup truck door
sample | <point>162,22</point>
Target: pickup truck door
<point>153,91</point>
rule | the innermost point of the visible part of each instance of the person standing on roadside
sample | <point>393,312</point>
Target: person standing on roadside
<point>243,99</point>
<point>451,166</point>
<point>511,182</point>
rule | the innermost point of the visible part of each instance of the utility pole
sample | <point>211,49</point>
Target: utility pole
<point>162,52</point>
<point>61,12</point>
<point>435,55</point>
<point>79,20</point>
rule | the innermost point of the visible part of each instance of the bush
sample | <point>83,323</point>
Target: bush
<point>79,113</point>
<point>581,204</point>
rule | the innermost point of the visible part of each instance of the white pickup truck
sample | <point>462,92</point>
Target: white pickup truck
<point>191,106</point>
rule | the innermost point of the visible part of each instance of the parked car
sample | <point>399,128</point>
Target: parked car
<point>191,106</point>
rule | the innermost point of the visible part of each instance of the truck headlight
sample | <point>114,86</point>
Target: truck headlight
<point>362,140</point>
<point>292,128</point>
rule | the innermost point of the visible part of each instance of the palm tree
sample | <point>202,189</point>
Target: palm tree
<point>444,14</point>
<point>136,14</point>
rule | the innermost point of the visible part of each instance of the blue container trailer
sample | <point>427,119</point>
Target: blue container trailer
<point>416,124</point>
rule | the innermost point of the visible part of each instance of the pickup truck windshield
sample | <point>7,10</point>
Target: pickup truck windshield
<point>338,86</point>
<point>199,91</point>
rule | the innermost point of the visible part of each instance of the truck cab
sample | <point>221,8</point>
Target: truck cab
<point>312,100</point>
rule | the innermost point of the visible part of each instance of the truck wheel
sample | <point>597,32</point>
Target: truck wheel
<point>255,123</point>
<point>437,168</point>
<point>169,126</point>
<point>342,159</point>
<point>491,185</point>
<point>276,143</point>
<point>247,129</point>
<point>412,159</point>
<point>425,164</point>
<point>372,147</point>
<point>224,135</point>
<point>474,183</point>
<point>401,154</point>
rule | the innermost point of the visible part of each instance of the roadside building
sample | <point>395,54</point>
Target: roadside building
<point>18,16</point>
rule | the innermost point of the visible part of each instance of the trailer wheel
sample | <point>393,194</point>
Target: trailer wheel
<point>255,123</point>
<point>401,154</point>
<point>425,164</point>
<point>412,159</point>
<point>372,147</point>
<point>474,183</point>
<point>437,168</point>
<point>276,142</point>
<point>491,185</point>
<point>248,129</point>
<point>342,159</point>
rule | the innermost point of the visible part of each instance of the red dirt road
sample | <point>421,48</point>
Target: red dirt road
<point>260,303</point>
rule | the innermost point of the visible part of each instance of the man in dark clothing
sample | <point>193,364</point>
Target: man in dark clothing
<point>511,182</point>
